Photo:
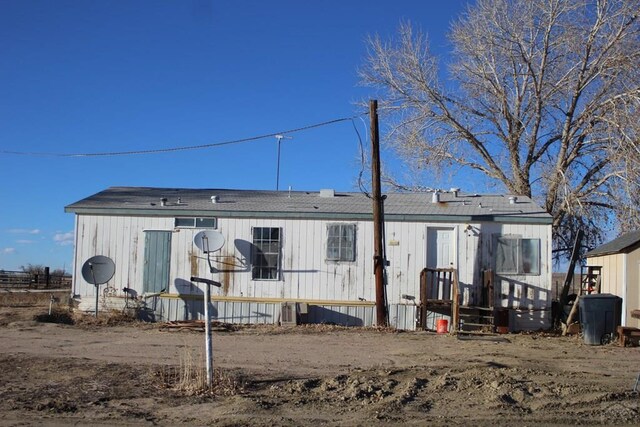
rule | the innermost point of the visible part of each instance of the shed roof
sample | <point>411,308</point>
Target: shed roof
<point>623,244</point>
<point>307,204</point>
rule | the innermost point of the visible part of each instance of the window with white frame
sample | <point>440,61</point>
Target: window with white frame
<point>195,222</point>
<point>341,242</point>
<point>265,256</point>
<point>516,255</point>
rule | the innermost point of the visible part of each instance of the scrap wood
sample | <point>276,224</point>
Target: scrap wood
<point>572,329</point>
<point>628,336</point>
<point>194,325</point>
<point>572,314</point>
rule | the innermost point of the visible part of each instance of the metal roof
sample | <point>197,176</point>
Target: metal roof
<point>624,243</point>
<point>307,204</point>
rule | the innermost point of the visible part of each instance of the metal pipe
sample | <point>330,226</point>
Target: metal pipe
<point>96,285</point>
<point>207,281</point>
<point>207,335</point>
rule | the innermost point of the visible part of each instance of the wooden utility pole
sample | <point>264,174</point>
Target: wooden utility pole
<point>378,257</point>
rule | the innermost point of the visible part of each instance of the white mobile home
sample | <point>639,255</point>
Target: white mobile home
<point>314,249</point>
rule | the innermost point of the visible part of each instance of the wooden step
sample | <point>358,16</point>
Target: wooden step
<point>628,336</point>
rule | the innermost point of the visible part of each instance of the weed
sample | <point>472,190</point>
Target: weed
<point>26,298</point>
<point>56,316</point>
<point>190,377</point>
<point>109,318</point>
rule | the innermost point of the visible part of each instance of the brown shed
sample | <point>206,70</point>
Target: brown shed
<point>620,263</point>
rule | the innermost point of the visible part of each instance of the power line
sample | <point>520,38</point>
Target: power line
<point>363,161</point>
<point>174,149</point>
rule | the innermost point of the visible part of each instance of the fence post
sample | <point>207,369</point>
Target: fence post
<point>47,277</point>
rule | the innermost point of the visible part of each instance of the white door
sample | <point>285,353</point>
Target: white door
<point>440,248</point>
<point>441,254</point>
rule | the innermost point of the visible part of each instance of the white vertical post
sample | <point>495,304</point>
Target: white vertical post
<point>207,334</point>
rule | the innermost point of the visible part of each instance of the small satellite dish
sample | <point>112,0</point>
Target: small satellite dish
<point>98,270</point>
<point>209,241</point>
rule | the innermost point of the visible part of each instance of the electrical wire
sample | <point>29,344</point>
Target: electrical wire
<point>362,159</point>
<point>191,147</point>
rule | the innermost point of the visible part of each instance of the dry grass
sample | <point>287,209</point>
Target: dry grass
<point>308,328</point>
<point>190,377</point>
<point>66,316</point>
<point>56,316</point>
<point>109,318</point>
<point>33,299</point>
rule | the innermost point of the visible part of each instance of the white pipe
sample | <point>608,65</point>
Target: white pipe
<point>151,295</point>
<point>207,335</point>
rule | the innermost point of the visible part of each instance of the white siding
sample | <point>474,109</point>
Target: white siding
<point>621,278</point>
<point>612,272</point>
<point>306,274</point>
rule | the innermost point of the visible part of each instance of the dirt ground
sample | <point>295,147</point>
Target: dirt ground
<point>89,372</point>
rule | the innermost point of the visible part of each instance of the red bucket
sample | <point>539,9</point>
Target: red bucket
<point>442,326</point>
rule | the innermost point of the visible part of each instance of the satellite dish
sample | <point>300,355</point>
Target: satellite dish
<point>98,270</point>
<point>209,241</point>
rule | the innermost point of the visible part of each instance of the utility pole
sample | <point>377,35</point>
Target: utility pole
<point>378,257</point>
<point>279,138</point>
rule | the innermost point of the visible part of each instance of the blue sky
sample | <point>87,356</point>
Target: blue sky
<point>126,75</point>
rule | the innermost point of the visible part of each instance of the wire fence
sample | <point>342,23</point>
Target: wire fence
<point>26,280</point>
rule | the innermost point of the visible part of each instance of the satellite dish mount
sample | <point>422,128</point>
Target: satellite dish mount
<point>208,241</point>
<point>98,270</point>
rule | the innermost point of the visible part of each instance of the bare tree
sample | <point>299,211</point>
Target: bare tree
<point>625,154</point>
<point>33,268</point>
<point>541,98</point>
<point>39,269</point>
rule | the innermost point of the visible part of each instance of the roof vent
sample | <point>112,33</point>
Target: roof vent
<point>435,197</point>
<point>215,199</point>
<point>513,200</point>
<point>327,192</point>
<point>163,201</point>
<point>455,191</point>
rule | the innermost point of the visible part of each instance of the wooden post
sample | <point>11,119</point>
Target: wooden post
<point>575,254</point>
<point>422,323</point>
<point>572,314</point>
<point>378,258</point>
<point>455,304</point>
<point>487,279</point>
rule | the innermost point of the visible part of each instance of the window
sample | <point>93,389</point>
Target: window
<point>515,255</point>
<point>265,257</point>
<point>341,242</point>
<point>195,222</point>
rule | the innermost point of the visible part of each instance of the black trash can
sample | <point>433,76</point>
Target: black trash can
<point>600,315</point>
